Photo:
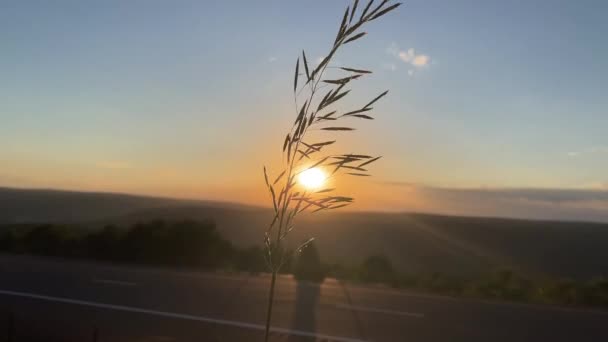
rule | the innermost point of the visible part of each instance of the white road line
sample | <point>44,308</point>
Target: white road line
<point>383,311</point>
<point>238,324</point>
<point>114,282</point>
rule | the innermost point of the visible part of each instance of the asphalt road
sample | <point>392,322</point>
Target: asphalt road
<point>53,300</point>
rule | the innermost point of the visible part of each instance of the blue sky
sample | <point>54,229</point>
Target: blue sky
<point>177,98</point>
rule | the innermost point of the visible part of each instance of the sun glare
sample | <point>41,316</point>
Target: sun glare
<point>312,178</point>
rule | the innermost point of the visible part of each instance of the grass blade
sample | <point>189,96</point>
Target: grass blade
<point>336,98</point>
<point>279,177</point>
<point>343,80</point>
<point>343,24</point>
<point>266,177</point>
<point>310,120</point>
<point>369,4</point>
<point>383,12</point>
<point>301,114</point>
<point>304,154</point>
<point>356,70</point>
<point>352,12</point>
<point>376,99</point>
<point>358,174</point>
<point>287,140</point>
<point>312,147</point>
<point>322,102</point>
<point>317,163</point>
<point>369,161</point>
<point>360,156</point>
<point>325,143</point>
<point>305,65</point>
<point>325,61</point>
<point>379,7</point>
<point>337,129</point>
<point>358,111</point>
<point>274,199</point>
<point>363,116</point>
<point>356,168</point>
<point>295,78</point>
<point>355,37</point>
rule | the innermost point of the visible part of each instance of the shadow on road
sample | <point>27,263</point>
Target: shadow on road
<point>304,319</point>
<point>358,322</point>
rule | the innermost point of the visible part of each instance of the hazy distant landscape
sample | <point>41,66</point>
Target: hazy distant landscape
<point>413,242</point>
<point>337,171</point>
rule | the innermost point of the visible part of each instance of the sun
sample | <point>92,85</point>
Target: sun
<point>312,178</point>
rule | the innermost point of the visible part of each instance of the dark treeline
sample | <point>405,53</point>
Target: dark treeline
<point>180,243</point>
<point>503,284</point>
<point>196,244</point>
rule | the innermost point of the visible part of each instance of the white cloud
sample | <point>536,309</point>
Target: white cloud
<point>410,72</point>
<point>409,56</point>
<point>421,60</point>
<point>272,59</point>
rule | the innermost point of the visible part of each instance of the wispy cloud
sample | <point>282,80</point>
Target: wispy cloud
<point>272,59</point>
<point>389,66</point>
<point>587,151</point>
<point>588,204</point>
<point>114,165</point>
<point>410,57</point>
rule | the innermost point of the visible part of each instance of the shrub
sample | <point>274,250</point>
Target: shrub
<point>563,291</point>
<point>505,284</point>
<point>595,292</point>
<point>250,259</point>
<point>308,265</point>
<point>104,244</point>
<point>442,283</point>
<point>8,241</point>
<point>47,239</point>
<point>377,269</point>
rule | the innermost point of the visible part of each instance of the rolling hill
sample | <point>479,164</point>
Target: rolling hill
<point>414,242</point>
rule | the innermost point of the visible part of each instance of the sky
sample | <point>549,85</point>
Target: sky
<point>495,107</point>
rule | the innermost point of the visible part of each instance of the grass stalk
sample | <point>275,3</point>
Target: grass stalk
<point>270,302</point>
<point>302,154</point>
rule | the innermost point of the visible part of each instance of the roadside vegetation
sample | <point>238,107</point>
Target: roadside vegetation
<point>198,245</point>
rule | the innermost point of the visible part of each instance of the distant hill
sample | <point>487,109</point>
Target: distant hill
<point>33,205</point>
<point>414,242</point>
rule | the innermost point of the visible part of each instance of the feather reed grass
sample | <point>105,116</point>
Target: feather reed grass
<point>301,153</point>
